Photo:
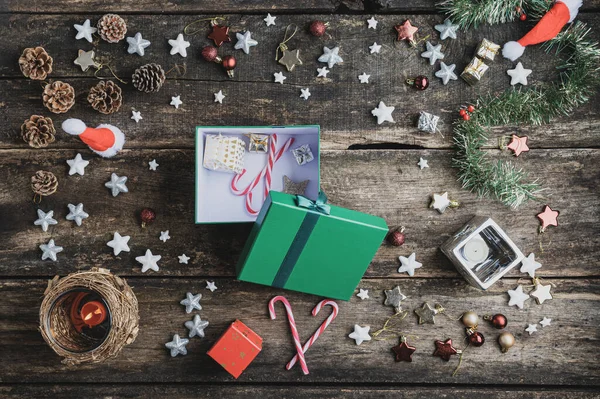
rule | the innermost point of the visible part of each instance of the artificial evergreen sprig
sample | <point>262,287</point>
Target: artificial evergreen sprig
<point>579,80</point>
<point>469,13</point>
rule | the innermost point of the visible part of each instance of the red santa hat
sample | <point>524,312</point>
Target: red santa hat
<point>561,13</point>
<point>105,140</point>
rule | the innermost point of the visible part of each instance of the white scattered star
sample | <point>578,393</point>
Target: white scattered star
<point>210,285</point>
<point>279,78</point>
<point>136,116</point>
<point>545,322</point>
<point>45,219</point>
<point>322,72</point>
<point>196,326</point>
<point>517,297</point>
<point>176,101</point>
<point>446,73</point>
<point>383,113</point>
<point>76,213</point>
<point>409,264</point>
<point>529,265</point>
<point>219,97</point>
<point>372,23</point>
<point>85,31</point>
<point>531,329</point>
<point>50,250</point>
<point>375,48</point>
<point>364,78</point>
<point>360,334</point>
<point>183,258</point>
<point>77,165</point>
<point>119,243</point>
<point>541,293</point>
<point>152,165</point>
<point>117,184</point>
<point>191,302</point>
<point>434,53</point>
<point>440,202</point>
<point>447,30</point>
<point>245,41</point>
<point>177,345</point>
<point>179,46</point>
<point>164,236</point>
<point>137,44</point>
<point>331,56</point>
<point>148,261</point>
<point>270,20</point>
<point>518,75</point>
<point>363,294</point>
<point>305,93</point>
<point>423,163</point>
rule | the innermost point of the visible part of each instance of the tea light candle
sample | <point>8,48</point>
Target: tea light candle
<point>93,313</point>
<point>476,250</point>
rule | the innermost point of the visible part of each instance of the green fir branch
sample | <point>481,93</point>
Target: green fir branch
<point>578,82</point>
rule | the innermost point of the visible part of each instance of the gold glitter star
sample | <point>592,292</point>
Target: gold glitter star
<point>290,59</point>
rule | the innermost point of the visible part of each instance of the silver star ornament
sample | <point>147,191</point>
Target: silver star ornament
<point>331,56</point>
<point>446,73</point>
<point>119,243</point>
<point>434,53</point>
<point>85,31</point>
<point>293,188</point>
<point>245,41</point>
<point>177,345</point>
<point>117,184</point>
<point>45,219</point>
<point>76,213</point>
<point>137,44</point>
<point>447,30</point>
<point>85,59</point>
<point>50,250</point>
<point>191,302</point>
<point>77,165</point>
<point>426,313</point>
<point>196,326</point>
<point>393,298</point>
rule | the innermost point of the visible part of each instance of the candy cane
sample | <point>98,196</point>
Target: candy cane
<point>270,161</point>
<point>320,330</point>
<point>292,322</point>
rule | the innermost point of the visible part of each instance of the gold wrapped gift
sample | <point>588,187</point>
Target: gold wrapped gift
<point>258,142</point>
<point>474,71</point>
<point>487,50</point>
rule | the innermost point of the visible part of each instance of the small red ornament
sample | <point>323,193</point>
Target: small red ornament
<point>229,63</point>
<point>406,32</point>
<point>396,237</point>
<point>523,17</point>
<point>466,117</point>
<point>499,321</point>
<point>462,112</point>
<point>210,54</point>
<point>420,82</point>
<point>476,339</point>
<point>318,28</point>
<point>471,108</point>
<point>444,349</point>
<point>219,34</point>
<point>403,351</point>
<point>548,217</point>
<point>147,216</point>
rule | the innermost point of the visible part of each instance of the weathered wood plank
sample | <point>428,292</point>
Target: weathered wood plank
<point>340,103</point>
<point>186,391</point>
<point>538,359</point>
<point>385,183</point>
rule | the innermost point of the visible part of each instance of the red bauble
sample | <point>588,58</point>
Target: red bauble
<point>462,112</point>
<point>318,28</point>
<point>421,82</point>
<point>523,17</point>
<point>476,339</point>
<point>471,108</point>
<point>396,237</point>
<point>499,321</point>
<point>147,216</point>
<point>229,63</point>
<point>466,117</point>
<point>210,54</point>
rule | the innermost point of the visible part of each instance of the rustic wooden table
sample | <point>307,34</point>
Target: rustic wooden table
<point>364,167</point>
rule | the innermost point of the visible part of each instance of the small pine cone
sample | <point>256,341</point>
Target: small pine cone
<point>105,97</point>
<point>148,78</point>
<point>58,97</point>
<point>44,183</point>
<point>35,63</point>
<point>38,131</point>
<point>112,28</point>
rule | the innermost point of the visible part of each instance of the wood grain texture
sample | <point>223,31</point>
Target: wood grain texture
<point>538,359</point>
<point>384,183</point>
<point>340,104</point>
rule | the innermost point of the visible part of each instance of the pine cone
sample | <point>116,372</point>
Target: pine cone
<point>44,183</point>
<point>38,131</point>
<point>35,63</point>
<point>112,28</point>
<point>105,97</point>
<point>148,78</point>
<point>58,97</point>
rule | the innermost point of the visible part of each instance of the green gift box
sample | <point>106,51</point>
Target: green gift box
<point>310,246</point>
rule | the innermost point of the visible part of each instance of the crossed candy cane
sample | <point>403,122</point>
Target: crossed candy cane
<point>292,322</point>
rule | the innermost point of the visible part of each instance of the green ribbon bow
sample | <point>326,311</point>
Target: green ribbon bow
<point>320,205</point>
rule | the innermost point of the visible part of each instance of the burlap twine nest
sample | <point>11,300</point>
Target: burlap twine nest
<point>58,331</point>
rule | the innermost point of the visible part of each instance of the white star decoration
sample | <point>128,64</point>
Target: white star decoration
<point>196,326</point>
<point>518,75</point>
<point>363,294</point>
<point>305,93</point>
<point>177,345</point>
<point>137,44</point>
<point>270,20</point>
<point>434,53</point>
<point>117,184</point>
<point>179,46</point>
<point>446,73</point>
<point>279,78</point>
<point>531,329</point>
<point>244,42</point>
<point>77,165</point>
<point>447,30</point>
<point>119,243</point>
<point>85,59</point>
<point>541,293</point>
<point>331,56</point>
<point>409,264</point>
<point>191,302</point>
<point>152,165</point>
<point>176,101</point>
<point>441,202</point>
<point>50,250</point>
<point>529,265</point>
<point>136,116</point>
<point>76,213</point>
<point>364,78</point>
<point>545,322</point>
<point>517,297</point>
<point>148,261</point>
<point>360,334</point>
<point>322,72</point>
<point>423,163</point>
<point>219,97</point>
<point>45,219</point>
<point>372,23</point>
<point>183,258</point>
<point>210,285</point>
<point>85,31</point>
<point>164,236</point>
<point>375,48</point>
<point>383,113</point>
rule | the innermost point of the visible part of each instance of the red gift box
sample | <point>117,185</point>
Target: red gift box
<point>237,348</point>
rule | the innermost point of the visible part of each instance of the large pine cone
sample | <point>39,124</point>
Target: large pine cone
<point>35,63</point>
<point>58,97</point>
<point>148,78</point>
<point>38,131</point>
<point>112,28</point>
<point>44,183</point>
<point>105,97</point>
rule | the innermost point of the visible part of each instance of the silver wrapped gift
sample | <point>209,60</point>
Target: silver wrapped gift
<point>482,252</point>
<point>303,154</point>
<point>258,143</point>
<point>428,122</point>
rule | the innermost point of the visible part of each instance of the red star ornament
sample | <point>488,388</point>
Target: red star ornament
<point>406,32</point>
<point>518,145</point>
<point>220,35</point>
<point>444,349</point>
<point>548,218</point>
<point>403,352</point>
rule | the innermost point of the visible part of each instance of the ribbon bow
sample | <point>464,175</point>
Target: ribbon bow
<point>320,205</point>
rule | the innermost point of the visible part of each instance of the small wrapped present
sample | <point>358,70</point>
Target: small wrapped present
<point>258,143</point>
<point>303,154</point>
<point>428,122</point>
<point>487,50</point>
<point>236,349</point>
<point>474,71</point>
<point>224,153</point>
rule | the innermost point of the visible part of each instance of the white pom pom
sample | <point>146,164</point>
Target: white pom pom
<point>512,50</point>
<point>74,126</point>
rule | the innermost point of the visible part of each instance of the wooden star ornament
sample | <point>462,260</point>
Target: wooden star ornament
<point>518,145</point>
<point>220,35</point>
<point>548,217</point>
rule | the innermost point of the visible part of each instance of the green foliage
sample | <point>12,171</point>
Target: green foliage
<point>469,13</point>
<point>579,79</point>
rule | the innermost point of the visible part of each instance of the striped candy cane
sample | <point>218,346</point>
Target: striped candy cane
<point>294,330</point>
<point>320,330</point>
<point>270,162</point>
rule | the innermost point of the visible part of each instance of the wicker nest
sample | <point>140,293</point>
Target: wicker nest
<point>60,334</point>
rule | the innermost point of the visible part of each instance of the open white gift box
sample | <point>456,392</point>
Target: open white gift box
<point>216,202</point>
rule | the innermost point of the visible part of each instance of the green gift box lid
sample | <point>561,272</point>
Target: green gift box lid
<point>305,250</point>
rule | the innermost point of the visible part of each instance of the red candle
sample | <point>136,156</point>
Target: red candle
<point>93,313</point>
